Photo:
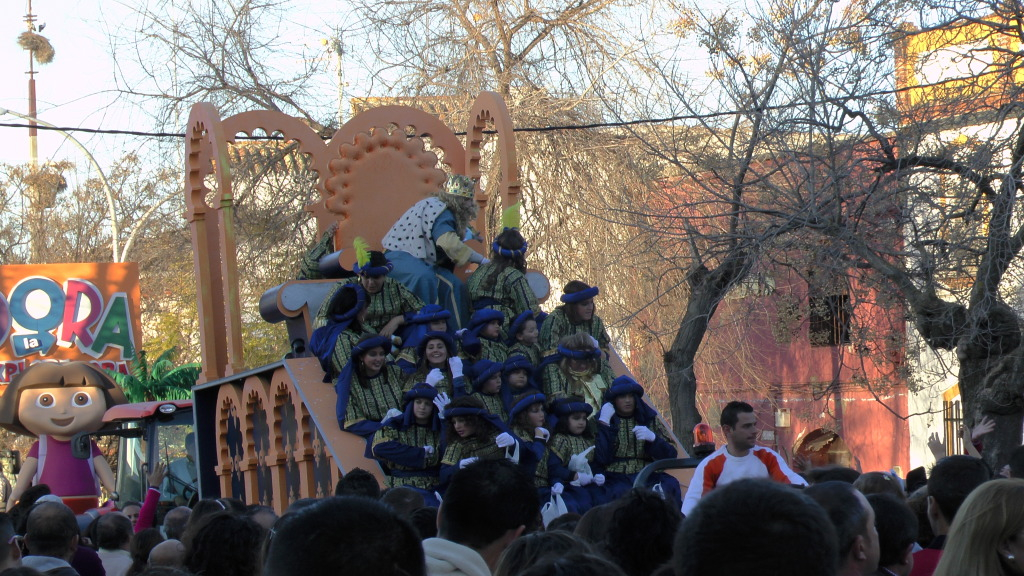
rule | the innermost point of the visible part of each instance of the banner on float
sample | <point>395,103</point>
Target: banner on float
<point>67,312</point>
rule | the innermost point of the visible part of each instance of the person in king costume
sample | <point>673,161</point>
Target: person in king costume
<point>427,243</point>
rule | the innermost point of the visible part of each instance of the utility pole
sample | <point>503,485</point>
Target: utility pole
<point>33,132</point>
<point>41,191</point>
<point>339,51</point>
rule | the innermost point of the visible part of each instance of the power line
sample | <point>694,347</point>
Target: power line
<point>549,128</point>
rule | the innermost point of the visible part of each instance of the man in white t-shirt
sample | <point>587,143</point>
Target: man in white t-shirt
<point>739,458</point>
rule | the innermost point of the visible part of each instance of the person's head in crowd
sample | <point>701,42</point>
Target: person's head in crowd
<point>358,482</point>
<point>580,354</point>
<point>1016,463</point>
<point>987,535</point>
<point>524,330</point>
<point>263,515</point>
<point>224,543</point>
<point>578,301</point>
<point>641,532</point>
<point>951,480</point>
<point>917,501</point>
<point>509,249</point>
<point>578,564</point>
<point>527,411</point>
<point>489,504</point>
<point>528,550</point>
<point>170,553</point>
<point>752,526</point>
<point>372,273</point>
<point>345,535</point>
<point>132,509</point>
<point>51,530</point>
<point>573,416</point>
<point>515,374</point>
<point>854,521</point>
<point>300,504</point>
<point>10,553</point>
<point>210,506</point>
<point>425,522</point>
<point>739,425</point>
<point>897,532</point>
<point>879,483</point>
<point>142,543</point>
<point>566,522</point>
<point>403,500</point>
<point>19,512</point>
<point>593,526</point>
<point>434,351</point>
<point>464,419</point>
<point>113,531</point>
<point>831,473</point>
<point>175,521</point>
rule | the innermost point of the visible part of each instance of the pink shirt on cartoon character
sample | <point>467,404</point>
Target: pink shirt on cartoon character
<point>62,472</point>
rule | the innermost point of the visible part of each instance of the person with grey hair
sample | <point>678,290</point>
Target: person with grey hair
<point>175,521</point>
<point>51,537</point>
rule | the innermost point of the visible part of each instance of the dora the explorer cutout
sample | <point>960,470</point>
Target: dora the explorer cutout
<point>53,402</point>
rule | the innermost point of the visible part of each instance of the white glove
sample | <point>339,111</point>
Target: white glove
<point>460,332</point>
<point>578,462</point>
<point>582,479</point>
<point>467,461</point>
<point>541,434</point>
<point>504,440</point>
<point>607,410</point>
<point>434,376</point>
<point>643,433</point>
<point>456,365</point>
<point>428,450</point>
<point>392,413</point>
<point>441,401</point>
<point>557,488</point>
<point>599,479</point>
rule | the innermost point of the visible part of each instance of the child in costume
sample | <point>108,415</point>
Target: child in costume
<point>438,366</point>
<point>339,326</point>
<point>516,378</point>
<point>482,339</point>
<point>426,244</point>
<point>487,387</point>
<point>369,389</point>
<point>409,446</point>
<point>53,402</point>
<point>575,370</point>
<point>430,318</point>
<point>629,437</point>
<point>572,452</point>
<point>501,283</point>
<point>472,433</point>
<point>576,315</point>
<point>389,304</point>
<point>524,336</point>
<point>527,419</point>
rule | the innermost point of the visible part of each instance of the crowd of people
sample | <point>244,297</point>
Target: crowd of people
<point>741,518</point>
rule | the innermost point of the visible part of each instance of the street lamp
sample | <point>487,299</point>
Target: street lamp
<point>103,177</point>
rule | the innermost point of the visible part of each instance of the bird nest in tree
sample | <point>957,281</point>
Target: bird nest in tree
<point>39,45</point>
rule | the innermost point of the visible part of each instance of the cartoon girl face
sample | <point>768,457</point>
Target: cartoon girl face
<point>62,412</point>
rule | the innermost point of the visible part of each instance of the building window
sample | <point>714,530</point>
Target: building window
<point>830,319</point>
